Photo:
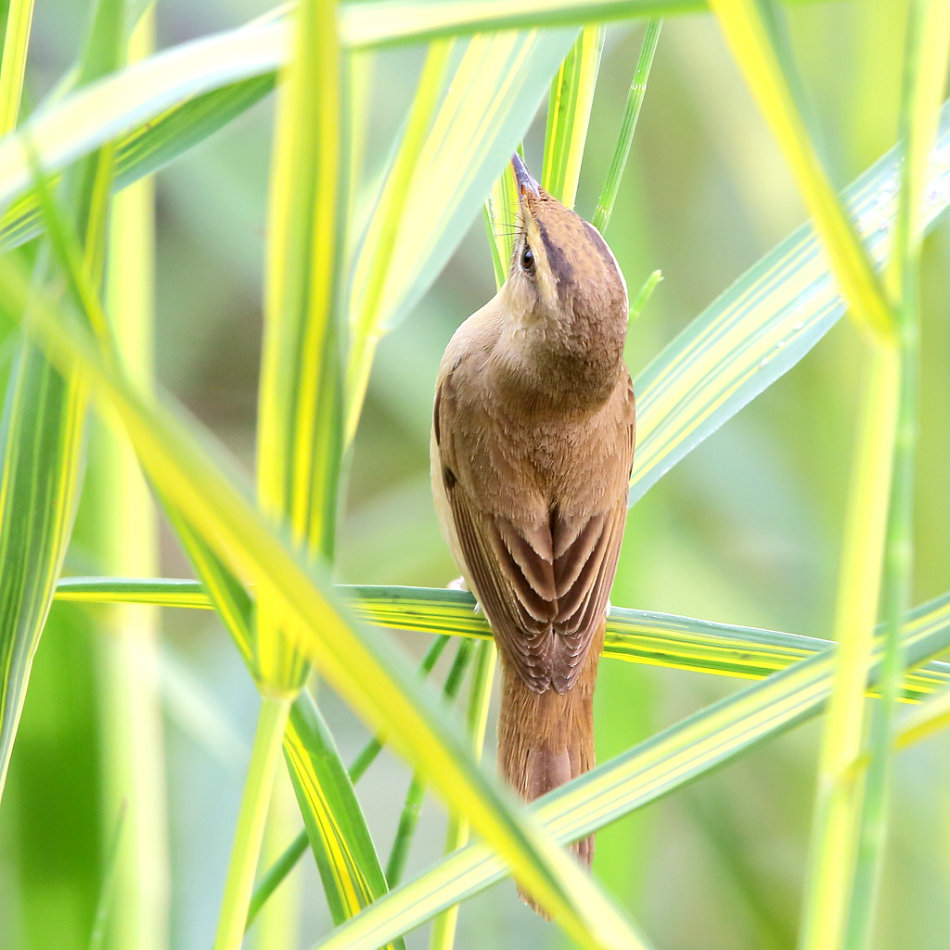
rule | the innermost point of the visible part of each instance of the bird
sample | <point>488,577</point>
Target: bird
<point>532,444</point>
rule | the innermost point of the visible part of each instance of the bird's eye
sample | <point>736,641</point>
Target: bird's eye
<point>527,260</point>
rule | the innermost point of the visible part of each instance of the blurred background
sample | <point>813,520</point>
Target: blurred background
<point>746,530</point>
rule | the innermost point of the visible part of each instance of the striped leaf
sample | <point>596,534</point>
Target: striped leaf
<point>638,636</point>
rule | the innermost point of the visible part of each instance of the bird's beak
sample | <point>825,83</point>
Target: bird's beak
<point>526,184</point>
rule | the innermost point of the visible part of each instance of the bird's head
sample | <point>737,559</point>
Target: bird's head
<point>565,293</point>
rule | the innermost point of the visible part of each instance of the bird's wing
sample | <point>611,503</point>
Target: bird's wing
<point>543,587</point>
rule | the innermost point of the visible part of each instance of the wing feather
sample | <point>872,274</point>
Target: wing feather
<point>544,587</point>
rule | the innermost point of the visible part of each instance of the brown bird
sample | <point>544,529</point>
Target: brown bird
<point>532,448</point>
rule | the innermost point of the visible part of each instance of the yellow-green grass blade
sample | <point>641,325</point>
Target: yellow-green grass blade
<point>438,184</point>
<point>372,674</point>
<point>639,636</point>
<point>41,433</point>
<point>654,768</point>
<point>132,753</point>
<point>409,817</point>
<point>334,823</point>
<point>572,95</point>
<point>924,721</point>
<point>346,858</point>
<point>292,853</point>
<point>300,399</point>
<point>40,445</point>
<point>749,40</point>
<point>764,323</point>
<point>16,39</point>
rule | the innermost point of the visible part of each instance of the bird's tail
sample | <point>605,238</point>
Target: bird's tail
<point>546,739</point>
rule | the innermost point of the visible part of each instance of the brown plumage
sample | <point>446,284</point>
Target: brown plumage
<point>532,447</point>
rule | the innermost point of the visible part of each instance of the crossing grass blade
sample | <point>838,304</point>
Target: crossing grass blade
<point>655,768</point>
<point>749,40</point>
<point>638,636</point>
<point>16,39</point>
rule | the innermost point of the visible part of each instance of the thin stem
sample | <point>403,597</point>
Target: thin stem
<point>414,797</point>
<point>443,929</point>
<point>249,834</point>
<point>631,113</point>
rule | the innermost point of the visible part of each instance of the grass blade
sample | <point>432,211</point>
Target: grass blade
<point>41,435</point>
<point>638,636</point>
<point>489,102</point>
<point>631,112</point>
<point>457,835</point>
<point>572,95</point>
<point>925,71</point>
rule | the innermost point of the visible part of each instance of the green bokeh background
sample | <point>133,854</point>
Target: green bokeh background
<point>745,530</point>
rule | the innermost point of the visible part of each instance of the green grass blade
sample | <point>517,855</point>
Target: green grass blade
<point>375,23</point>
<point>370,673</point>
<point>499,211</point>
<point>325,830</point>
<point>346,858</point>
<point>488,104</point>
<point>764,324</point>
<point>385,229</point>
<point>631,112</point>
<point>131,716</point>
<point>665,762</point>
<point>924,721</point>
<point>638,636</point>
<point>127,99</point>
<point>572,95</point>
